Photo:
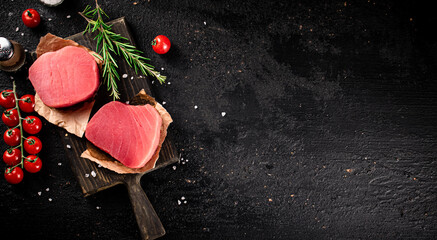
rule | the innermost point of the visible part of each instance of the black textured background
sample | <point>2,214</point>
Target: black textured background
<point>329,133</point>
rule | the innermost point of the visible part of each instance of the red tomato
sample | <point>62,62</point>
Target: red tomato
<point>27,103</point>
<point>12,157</point>
<point>12,137</point>
<point>10,117</point>
<point>32,164</point>
<point>14,176</point>
<point>161,44</point>
<point>32,124</point>
<point>7,99</point>
<point>31,18</point>
<point>32,145</point>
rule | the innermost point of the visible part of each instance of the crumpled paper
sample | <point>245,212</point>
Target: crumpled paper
<point>73,119</point>
<point>105,160</point>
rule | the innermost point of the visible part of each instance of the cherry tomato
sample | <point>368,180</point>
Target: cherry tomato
<point>32,145</point>
<point>32,124</point>
<point>161,44</point>
<point>31,18</point>
<point>12,157</point>
<point>10,117</point>
<point>12,137</point>
<point>7,99</point>
<point>14,176</point>
<point>33,165</point>
<point>27,103</point>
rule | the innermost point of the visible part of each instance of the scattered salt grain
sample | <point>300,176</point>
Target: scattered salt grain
<point>124,75</point>
<point>163,103</point>
<point>25,50</point>
<point>47,189</point>
<point>99,166</point>
<point>10,14</point>
<point>162,69</point>
<point>174,167</point>
<point>87,175</point>
<point>223,114</point>
<point>185,202</point>
<point>49,19</point>
<point>153,82</point>
<point>195,107</point>
<point>68,146</point>
<point>66,134</point>
<point>50,199</point>
<point>59,164</point>
<point>39,193</point>
<point>169,83</point>
<point>179,202</point>
<point>183,163</point>
<point>182,198</point>
<point>22,34</point>
<point>68,16</point>
<point>93,174</point>
<point>97,207</point>
<point>17,29</point>
<point>127,102</point>
<point>12,77</point>
<point>204,23</point>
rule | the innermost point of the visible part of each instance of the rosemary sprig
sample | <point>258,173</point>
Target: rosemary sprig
<point>113,43</point>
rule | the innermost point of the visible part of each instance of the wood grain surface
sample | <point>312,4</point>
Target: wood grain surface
<point>93,178</point>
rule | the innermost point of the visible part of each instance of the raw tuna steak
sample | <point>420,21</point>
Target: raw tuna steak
<point>65,77</point>
<point>128,133</point>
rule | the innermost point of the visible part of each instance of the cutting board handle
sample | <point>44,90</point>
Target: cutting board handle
<point>148,221</point>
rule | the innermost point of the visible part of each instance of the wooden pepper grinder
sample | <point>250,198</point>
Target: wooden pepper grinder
<point>12,55</point>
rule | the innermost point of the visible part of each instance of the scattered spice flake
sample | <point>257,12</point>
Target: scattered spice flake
<point>93,173</point>
<point>134,3</point>
<point>223,114</point>
<point>270,200</point>
<point>291,195</point>
<point>124,75</point>
<point>349,170</point>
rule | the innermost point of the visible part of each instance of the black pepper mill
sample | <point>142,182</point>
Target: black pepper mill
<point>12,55</point>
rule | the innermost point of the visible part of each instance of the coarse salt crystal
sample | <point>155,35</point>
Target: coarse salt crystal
<point>99,166</point>
<point>153,82</point>
<point>50,199</point>
<point>223,114</point>
<point>169,83</point>
<point>22,34</point>
<point>204,23</point>
<point>50,19</point>
<point>10,14</point>
<point>47,189</point>
<point>163,103</point>
<point>182,198</point>
<point>124,75</point>
<point>17,29</point>
<point>12,77</point>
<point>162,69</point>
<point>185,202</point>
<point>97,207</point>
<point>93,173</point>
<point>87,175</point>
<point>68,146</point>
<point>174,167</point>
<point>183,163</point>
<point>25,50</point>
<point>179,202</point>
<point>39,193</point>
<point>68,16</point>
<point>59,164</point>
<point>127,102</point>
<point>195,107</point>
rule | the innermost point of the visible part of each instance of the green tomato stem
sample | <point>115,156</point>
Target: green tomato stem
<point>19,124</point>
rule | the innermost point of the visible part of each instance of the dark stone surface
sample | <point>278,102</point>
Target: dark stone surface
<point>330,127</point>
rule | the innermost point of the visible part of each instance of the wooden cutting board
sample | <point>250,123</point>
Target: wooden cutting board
<point>147,219</point>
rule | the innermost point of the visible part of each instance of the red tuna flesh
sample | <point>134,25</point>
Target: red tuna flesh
<point>128,133</point>
<point>65,77</point>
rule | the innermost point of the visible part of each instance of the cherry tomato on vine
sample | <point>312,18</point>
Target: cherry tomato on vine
<point>12,137</point>
<point>33,165</point>
<point>32,125</point>
<point>14,176</point>
<point>7,99</point>
<point>161,44</point>
<point>27,103</point>
<point>10,117</point>
<point>32,145</point>
<point>31,18</point>
<point>12,157</point>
